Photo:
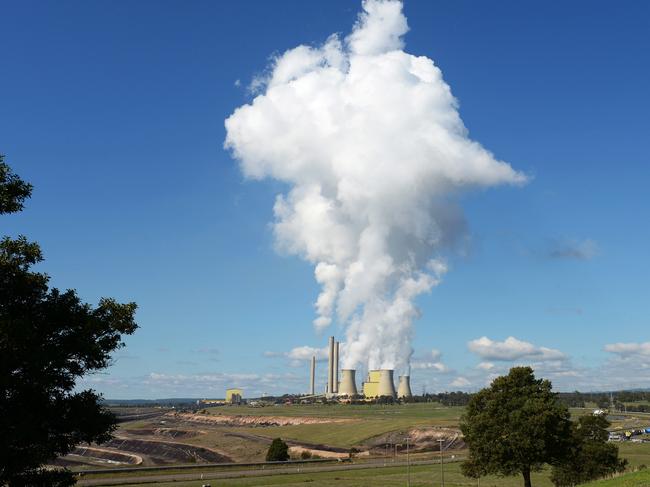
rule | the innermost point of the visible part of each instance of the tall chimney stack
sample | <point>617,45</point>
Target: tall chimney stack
<point>312,376</point>
<point>330,369</point>
<point>336,367</point>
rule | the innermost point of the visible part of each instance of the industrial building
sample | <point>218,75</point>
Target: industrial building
<point>234,396</point>
<point>379,383</point>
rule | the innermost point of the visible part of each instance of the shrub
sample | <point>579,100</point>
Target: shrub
<point>278,451</point>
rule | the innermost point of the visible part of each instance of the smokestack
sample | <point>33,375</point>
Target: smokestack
<point>312,376</point>
<point>336,367</point>
<point>386,386</point>
<point>404,388</point>
<point>330,370</point>
<point>348,383</point>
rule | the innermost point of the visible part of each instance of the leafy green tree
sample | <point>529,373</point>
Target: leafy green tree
<point>515,426</point>
<point>13,190</point>
<point>48,340</point>
<point>278,451</point>
<point>591,456</point>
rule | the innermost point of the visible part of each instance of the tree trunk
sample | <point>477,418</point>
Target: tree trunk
<point>526,473</point>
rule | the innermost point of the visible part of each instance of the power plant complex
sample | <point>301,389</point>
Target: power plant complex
<point>379,383</point>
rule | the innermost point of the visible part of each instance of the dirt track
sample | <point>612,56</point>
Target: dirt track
<point>231,420</point>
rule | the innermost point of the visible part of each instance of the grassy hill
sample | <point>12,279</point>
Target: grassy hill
<point>367,421</point>
<point>636,479</point>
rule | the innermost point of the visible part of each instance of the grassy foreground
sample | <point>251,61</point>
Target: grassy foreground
<point>422,475</point>
<point>637,479</point>
<point>366,421</point>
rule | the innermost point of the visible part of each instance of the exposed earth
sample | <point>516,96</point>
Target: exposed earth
<point>167,437</point>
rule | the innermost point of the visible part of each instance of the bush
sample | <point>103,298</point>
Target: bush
<point>305,455</point>
<point>278,451</point>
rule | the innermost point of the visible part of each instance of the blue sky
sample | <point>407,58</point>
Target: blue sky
<point>115,112</point>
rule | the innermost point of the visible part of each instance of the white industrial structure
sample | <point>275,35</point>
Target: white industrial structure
<point>330,368</point>
<point>386,385</point>
<point>335,383</point>
<point>404,387</point>
<point>380,383</point>
<point>348,386</point>
<point>312,376</point>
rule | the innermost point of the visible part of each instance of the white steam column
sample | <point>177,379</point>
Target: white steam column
<point>404,387</point>
<point>312,376</point>
<point>348,383</point>
<point>330,369</point>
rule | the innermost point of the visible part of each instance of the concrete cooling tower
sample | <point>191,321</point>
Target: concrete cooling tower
<point>404,387</point>
<point>348,386</point>
<point>386,386</point>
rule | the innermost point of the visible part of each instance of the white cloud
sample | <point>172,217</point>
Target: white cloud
<point>629,349</point>
<point>299,355</point>
<point>512,349</point>
<point>369,141</point>
<point>461,382</point>
<point>433,361</point>
<point>438,366</point>
<point>485,366</point>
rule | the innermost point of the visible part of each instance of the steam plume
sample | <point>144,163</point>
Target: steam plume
<point>373,149</point>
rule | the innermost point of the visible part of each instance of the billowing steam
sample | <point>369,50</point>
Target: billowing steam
<point>373,149</point>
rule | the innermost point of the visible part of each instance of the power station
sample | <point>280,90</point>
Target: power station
<point>379,383</point>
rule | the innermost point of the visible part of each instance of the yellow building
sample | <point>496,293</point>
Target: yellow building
<point>234,396</point>
<point>371,386</point>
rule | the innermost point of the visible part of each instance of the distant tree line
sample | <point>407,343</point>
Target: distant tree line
<point>608,400</point>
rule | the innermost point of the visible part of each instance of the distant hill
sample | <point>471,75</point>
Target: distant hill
<point>171,401</point>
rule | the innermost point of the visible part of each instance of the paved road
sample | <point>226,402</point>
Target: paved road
<point>154,478</point>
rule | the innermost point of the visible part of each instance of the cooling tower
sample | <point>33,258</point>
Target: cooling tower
<point>404,387</point>
<point>348,385</point>
<point>335,382</point>
<point>330,367</point>
<point>386,386</point>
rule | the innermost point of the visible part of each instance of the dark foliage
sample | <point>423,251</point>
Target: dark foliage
<point>515,426</point>
<point>13,190</point>
<point>48,340</point>
<point>278,451</point>
<point>590,456</point>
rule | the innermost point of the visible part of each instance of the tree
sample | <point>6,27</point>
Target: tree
<point>278,451</point>
<point>515,426</point>
<point>48,340</point>
<point>591,456</point>
<point>13,190</point>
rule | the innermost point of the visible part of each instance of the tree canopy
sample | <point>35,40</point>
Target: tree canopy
<point>591,456</point>
<point>48,340</point>
<point>278,451</point>
<point>515,426</point>
<point>13,190</point>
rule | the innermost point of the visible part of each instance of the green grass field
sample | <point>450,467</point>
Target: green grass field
<point>366,422</point>
<point>426,475</point>
<point>636,479</point>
